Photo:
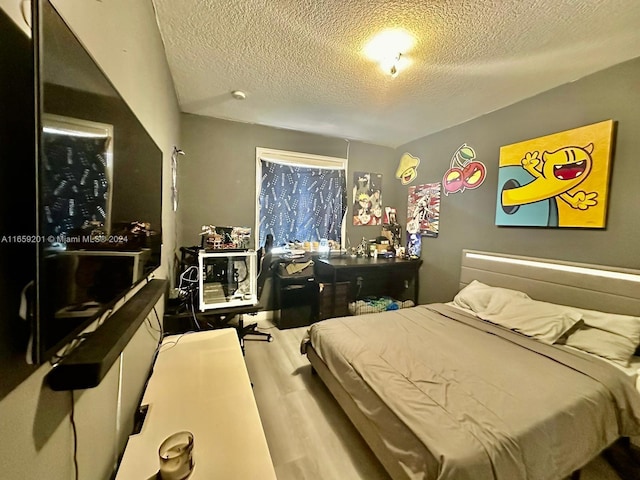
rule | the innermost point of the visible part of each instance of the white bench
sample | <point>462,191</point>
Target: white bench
<point>200,383</point>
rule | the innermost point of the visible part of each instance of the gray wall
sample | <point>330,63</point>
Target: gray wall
<point>467,218</point>
<point>216,177</point>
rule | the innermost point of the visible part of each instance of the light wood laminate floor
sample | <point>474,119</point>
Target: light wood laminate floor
<point>309,436</point>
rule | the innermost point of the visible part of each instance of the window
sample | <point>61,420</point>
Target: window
<point>299,197</point>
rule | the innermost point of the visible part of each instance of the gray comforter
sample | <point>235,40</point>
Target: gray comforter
<point>458,398</point>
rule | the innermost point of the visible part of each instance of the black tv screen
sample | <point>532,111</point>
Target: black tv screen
<point>99,189</point>
<point>17,201</point>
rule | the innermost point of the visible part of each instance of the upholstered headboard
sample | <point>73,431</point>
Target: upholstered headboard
<point>596,287</point>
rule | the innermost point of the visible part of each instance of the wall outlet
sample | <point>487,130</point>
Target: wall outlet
<point>359,281</point>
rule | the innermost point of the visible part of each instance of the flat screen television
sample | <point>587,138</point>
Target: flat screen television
<point>17,199</point>
<point>99,189</point>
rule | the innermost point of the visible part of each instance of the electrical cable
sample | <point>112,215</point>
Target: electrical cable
<point>193,314</point>
<point>160,327</point>
<point>70,347</point>
<point>75,436</point>
<point>172,343</point>
<point>151,328</point>
<point>192,282</point>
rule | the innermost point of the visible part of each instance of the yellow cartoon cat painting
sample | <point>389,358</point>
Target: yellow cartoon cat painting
<point>555,174</point>
<point>558,180</point>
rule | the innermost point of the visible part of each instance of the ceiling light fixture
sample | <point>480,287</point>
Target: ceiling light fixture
<point>391,66</point>
<point>238,95</point>
<point>388,49</point>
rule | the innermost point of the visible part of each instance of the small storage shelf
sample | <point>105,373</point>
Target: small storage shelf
<point>226,279</point>
<point>296,297</point>
<point>328,293</point>
<point>89,362</point>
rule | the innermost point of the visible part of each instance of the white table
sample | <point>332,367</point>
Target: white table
<point>201,384</point>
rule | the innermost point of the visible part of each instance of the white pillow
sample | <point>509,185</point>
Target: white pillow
<point>480,297</point>
<point>605,344</point>
<point>624,325</point>
<point>609,335</point>
<point>546,322</point>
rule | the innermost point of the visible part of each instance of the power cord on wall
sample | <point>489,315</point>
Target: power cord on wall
<point>75,436</point>
<point>160,329</point>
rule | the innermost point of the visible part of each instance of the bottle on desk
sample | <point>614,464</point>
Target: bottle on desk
<point>324,249</point>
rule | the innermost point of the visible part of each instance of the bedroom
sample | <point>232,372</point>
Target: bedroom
<point>467,219</point>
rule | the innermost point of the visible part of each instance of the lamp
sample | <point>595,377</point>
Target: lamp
<point>387,49</point>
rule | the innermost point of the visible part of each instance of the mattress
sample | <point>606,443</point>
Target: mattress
<point>454,397</point>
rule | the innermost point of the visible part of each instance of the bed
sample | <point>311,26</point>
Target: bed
<point>521,376</point>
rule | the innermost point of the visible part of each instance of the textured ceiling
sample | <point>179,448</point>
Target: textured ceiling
<point>301,63</point>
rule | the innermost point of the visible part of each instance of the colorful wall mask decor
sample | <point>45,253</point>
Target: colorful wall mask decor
<point>423,209</point>
<point>407,168</point>
<point>367,198</point>
<point>464,171</point>
<point>559,180</point>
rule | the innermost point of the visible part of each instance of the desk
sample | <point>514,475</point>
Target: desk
<point>200,383</point>
<point>394,277</point>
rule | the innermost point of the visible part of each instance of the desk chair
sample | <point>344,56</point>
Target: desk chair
<point>217,317</point>
<point>265,265</point>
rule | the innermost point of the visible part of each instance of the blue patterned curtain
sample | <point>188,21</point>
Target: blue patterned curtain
<point>301,203</point>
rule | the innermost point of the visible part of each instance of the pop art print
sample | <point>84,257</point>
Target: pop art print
<point>423,212</point>
<point>465,172</point>
<point>559,180</point>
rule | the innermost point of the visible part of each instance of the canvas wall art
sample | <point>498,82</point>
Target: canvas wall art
<point>559,180</point>
<point>367,198</point>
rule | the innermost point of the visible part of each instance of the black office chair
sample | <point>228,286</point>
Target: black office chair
<point>265,270</point>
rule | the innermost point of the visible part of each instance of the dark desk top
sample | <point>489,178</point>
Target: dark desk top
<point>365,262</point>
<point>230,310</point>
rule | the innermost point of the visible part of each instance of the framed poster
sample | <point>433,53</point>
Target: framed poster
<point>423,209</point>
<point>559,180</point>
<point>367,198</point>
